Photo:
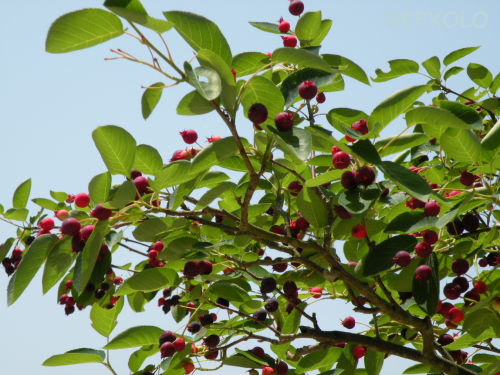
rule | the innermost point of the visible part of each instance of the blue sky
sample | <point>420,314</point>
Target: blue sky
<point>49,105</point>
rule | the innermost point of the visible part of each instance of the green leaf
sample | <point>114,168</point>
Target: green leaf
<point>461,145</point>
<point>296,143</point>
<point>117,148</point>
<point>436,174</point>
<point>229,291</point>
<point>213,153</point>
<point>85,261</point>
<point>21,194</point>
<point>394,105</point>
<point>451,72</point>
<point>261,90</point>
<point>373,362</point>
<point>379,259</point>
<point>149,229</point>
<point>193,104</point>
<point>133,11</point>
<point>315,360</point>
<point>45,203</point>
<point>433,66</point>
<point>200,33</point>
<point>211,60</point>
<point>410,222</point>
<point>349,68</point>
<point>59,260</point>
<point>173,174</point>
<point>292,321</point>
<point>240,360</point>
<point>495,84</point>
<point>479,75</point>
<point>147,159</point>
<point>366,151</point>
<point>212,194</point>
<point>82,29</point>
<point>311,208</point>
<point>76,357</point>
<point>419,368</point>
<point>308,26</point>
<point>300,57</point>
<point>211,89</point>
<point>123,195</point>
<point>150,99</point>
<point>184,190</point>
<point>14,214</point>
<point>397,69</point>
<point>267,27</point>
<point>5,247</point>
<point>290,85</point>
<point>426,293</point>
<point>339,117</point>
<point>58,196</point>
<point>359,201</point>
<point>148,280</point>
<point>478,321</point>
<point>406,180</point>
<point>490,145</point>
<point>249,62</point>
<point>99,187</point>
<point>401,143</point>
<point>138,357</point>
<point>134,337</point>
<point>325,177</point>
<point>466,340</point>
<point>324,29</point>
<point>457,55</point>
<point>32,260</point>
<point>103,319</point>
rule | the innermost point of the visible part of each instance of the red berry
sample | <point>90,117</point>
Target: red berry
<point>257,113</point>
<point>63,299</point>
<point>189,136</point>
<point>86,232</point>
<point>188,367</point>
<point>82,200</point>
<point>284,26</point>
<point>158,246</point>
<point>205,267</point>
<point>141,183</point>
<point>269,54</point>
<point>414,203</point>
<point>358,352</point>
<point>460,266</point>
<point>483,262</point>
<point>152,254</point>
<point>296,7</point>
<point>466,178</point>
<point>47,224</point>
<point>320,98</point>
<point>423,273</point>
<point>456,315</point>
<point>402,258</point>
<point>134,174</point>
<point>16,253</point>
<point>281,368</point>
<point>167,349</point>
<point>191,269</point>
<point>349,322</point>
<point>468,102</point>
<point>335,149</point>
<point>161,301</point>
<point>360,126</point>
<point>294,188</point>
<point>480,287</point>
<point>452,291</point>
<point>67,285</point>
<point>101,213</point>
<point>289,41</point>
<point>349,139</point>
<point>70,226</point>
<point>341,160</point>
<point>284,121</point>
<point>70,199</point>
<point>342,212</point>
<point>307,90</point>
<point>365,176</point>
<point>117,280</point>
<point>430,236</point>
<point>348,180</point>
<point>358,231</point>
<point>302,224</point>
<point>179,344</point>
<point>258,351</point>
<point>423,249</point>
<point>431,209</point>
<point>277,230</point>
<point>316,292</point>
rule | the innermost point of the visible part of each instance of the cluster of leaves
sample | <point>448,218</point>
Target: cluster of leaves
<point>458,133</point>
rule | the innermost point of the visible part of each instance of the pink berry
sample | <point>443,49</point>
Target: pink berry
<point>16,253</point>
<point>335,149</point>
<point>294,188</point>
<point>365,176</point>
<point>431,209</point>
<point>307,90</point>
<point>480,287</point>
<point>402,258</point>
<point>86,232</point>
<point>320,98</point>
<point>358,231</point>
<point>289,41</point>
<point>179,344</point>
<point>176,155</point>
<point>316,292</point>
<point>296,7</point>
<point>47,224</point>
<point>349,322</point>
<point>141,183</point>
<point>189,136</point>
<point>70,199</point>
<point>101,213</point>
<point>284,121</point>
<point>67,285</point>
<point>70,226</point>
<point>269,54</point>
<point>283,26</point>
<point>61,214</point>
<point>152,254</point>
<point>213,138</point>
<point>341,160</point>
<point>456,315</point>
<point>158,246</point>
<point>423,249</point>
<point>360,126</point>
<point>257,113</point>
<point>82,200</point>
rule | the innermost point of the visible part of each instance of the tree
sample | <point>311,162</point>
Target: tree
<point>336,195</point>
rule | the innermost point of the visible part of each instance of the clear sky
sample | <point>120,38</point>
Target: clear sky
<point>49,105</point>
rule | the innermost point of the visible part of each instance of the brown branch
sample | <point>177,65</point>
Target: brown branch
<point>133,250</point>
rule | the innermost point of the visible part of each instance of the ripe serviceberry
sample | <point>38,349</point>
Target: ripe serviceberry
<point>349,322</point>
<point>268,285</point>
<point>360,126</point>
<point>451,291</point>
<point>101,213</point>
<point>423,273</point>
<point>289,307</point>
<point>480,287</point>
<point>271,305</point>
<point>402,258</point>
<point>211,341</point>
<point>205,319</point>
<point>86,232</point>
<point>194,327</point>
<point>281,368</point>
<point>46,224</point>
<point>296,7</point>
<point>191,269</point>
<point>341,160</point>
<point>289,288</point>
<point>283,25</point>
<point>258,352</point>
<point>277,230</point>
<point>205,267</point>
<point>17,253</point>
<point>358,352</point>
<point>414,203</point>
<point>307,90</point>
<point>358,231</point>
<point>257,113</point>
<point>69,309</point>
<point>134,173</point>
<point>467,178</point>
<point>294,188</point>
<point>365,176</point>
<point>470,222</point>
<point>260,315</point>
<point>423,249</point>
<point>460,266</point>
<point>284,121</point>
<point>82,200</point>
<point>289,41</point>
<point>212,354</point>
<point>348,180</point>
<point>342,212</point>
<point>141,183</point>
<point>431,209</point>
<point>189,136</point>
<point>67,285</point>
<point>483,262</point>
<point>280,267</point>
<point>63,298</point>
<point>430,236</point>
<point>462,282</point>
<point>222,301</point>
<point>302,224</point>
<point>70,226</point>
<point>320,98</point>
<point>445,339</point>
<point>167,349</point>
<point>455,227</point>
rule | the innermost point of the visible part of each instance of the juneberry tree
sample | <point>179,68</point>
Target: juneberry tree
<point>405,227</point>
